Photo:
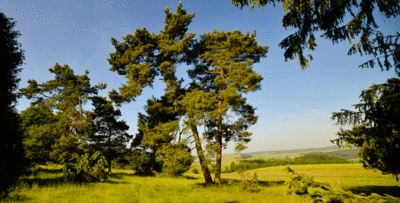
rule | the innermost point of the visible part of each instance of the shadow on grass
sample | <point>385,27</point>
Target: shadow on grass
<point>381,190</point>
<point>191,177</point>
<point>116,182</point>
<point>116,175</point>
<point>50,171</point>
<point>55,181</point>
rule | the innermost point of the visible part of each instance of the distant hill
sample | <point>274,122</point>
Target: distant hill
<point>307,150</point>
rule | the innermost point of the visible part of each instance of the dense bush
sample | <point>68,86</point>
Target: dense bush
<point>177,159</point>
<point>142,164</point>
<point>85,169</point>
<point>123,162</point>
<point>195,171</point>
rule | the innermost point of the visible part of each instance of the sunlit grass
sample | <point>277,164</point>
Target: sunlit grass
<point>123,186</point>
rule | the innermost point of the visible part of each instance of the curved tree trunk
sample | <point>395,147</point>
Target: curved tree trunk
<point>200,154</point>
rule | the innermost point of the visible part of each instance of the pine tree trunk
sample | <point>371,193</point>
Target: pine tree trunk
<point>109,164</point>
<point>109,149</point>
<point>200,154</point>
<point>218,159</point>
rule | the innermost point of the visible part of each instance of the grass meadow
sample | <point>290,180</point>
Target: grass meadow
<point>124,186</point>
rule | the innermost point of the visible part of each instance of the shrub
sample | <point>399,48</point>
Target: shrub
<point>233,166</point>
<point>177,159</point>
<point>195,171</point>
<point>84,170</point>
<point>142,164</point>
<point>252,185</point>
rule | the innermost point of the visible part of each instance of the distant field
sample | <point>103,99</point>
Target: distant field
<point>123,186</point>
<point>228,158</point>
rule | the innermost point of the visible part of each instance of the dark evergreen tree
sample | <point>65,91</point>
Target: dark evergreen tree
<point>13,163</point>
<point>311,16</point>
<point>376,127</point>
<point>111,137</point>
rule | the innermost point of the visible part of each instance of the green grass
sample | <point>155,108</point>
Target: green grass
<point>123,186</point>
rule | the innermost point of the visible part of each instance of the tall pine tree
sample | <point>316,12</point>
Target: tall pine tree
<point>227,72</point>
<point>144,56</point>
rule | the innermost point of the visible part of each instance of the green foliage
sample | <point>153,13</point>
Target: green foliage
<point>122,162</point>
<point>376,127</point>
<point>323,192</point>
<point>85,170</point>
<point>233,167</point>
<point>195,171</point>
<point>318,159</point>
<point>40,132</point>
<point>143,164</point>
<point>177,159</point>
<point>111,137</point>
<point>226,71</point>
<point>226,170</point>
<point>327,16</point>
<point>250,185</point>
<point>62,137</point>
<point>212,168</point>
<point>13,163</point>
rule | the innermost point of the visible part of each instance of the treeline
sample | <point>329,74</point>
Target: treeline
<point>305,159</point>
<point>346,154</point>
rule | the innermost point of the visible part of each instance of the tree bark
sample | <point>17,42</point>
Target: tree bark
<point>109,164</point>
<point>109,149</point>
<point>218,159</point>
<point>202,159</point>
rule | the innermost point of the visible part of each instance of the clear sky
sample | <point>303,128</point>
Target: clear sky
<point>294,106</point>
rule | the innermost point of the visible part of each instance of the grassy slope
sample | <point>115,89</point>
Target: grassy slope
<point>124,187</point>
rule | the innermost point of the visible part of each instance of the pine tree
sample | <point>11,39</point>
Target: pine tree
<point>230,56</point>
<point>13,161</point>
<point>312,16</point>
<point>144,56</point>
<point>66,93</point>
<point>111,137</point>
<point>376,127</point>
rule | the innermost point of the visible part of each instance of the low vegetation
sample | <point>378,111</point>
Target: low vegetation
<point>261,185</point>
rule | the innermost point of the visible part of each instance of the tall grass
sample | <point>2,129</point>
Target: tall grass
<point>124,186</point>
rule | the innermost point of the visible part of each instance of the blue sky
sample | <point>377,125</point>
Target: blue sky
<point>294,106</point>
